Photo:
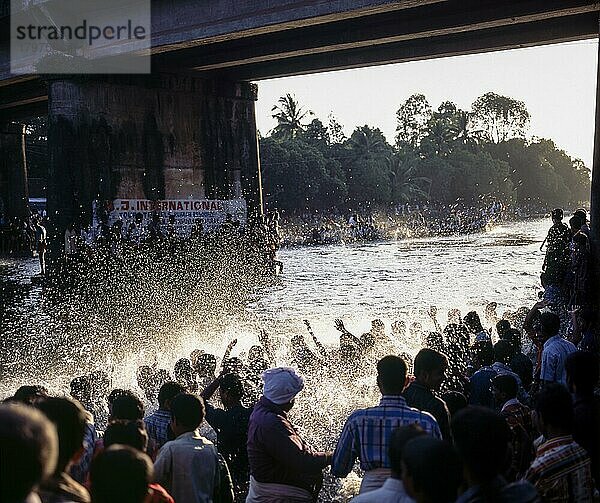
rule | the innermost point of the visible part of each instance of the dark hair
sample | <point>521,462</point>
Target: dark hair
<point>30,394</point>
<point>513,337</point>
<point>507,384</point>
<point>168,391</point>
<point>428,360</point>
<point>503,351</point>
<point>391,374</point>
<point>398,440</point>
<point>28,450</point>
<point>187,410</point>
<point>549,324</point>
<point>232,384</point>
<point>120,474</point>
<point>434,468</point>
<point>117,392</point>
<point>481,437</point>
<point>576,222</point>
<point>502,327</point>
<point>483,352</point>
<point>582,370</point>
<point>455,401</point>
<point>131,433</point>
<point>557,213</point>
<point>127,406</point>
<point>473,321</point>
<point>554,406</point>
<point>70,419</point>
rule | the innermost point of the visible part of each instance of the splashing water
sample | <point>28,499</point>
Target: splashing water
<point>164,308</point>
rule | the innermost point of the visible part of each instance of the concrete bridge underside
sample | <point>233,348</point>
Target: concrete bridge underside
<point>189,128</point>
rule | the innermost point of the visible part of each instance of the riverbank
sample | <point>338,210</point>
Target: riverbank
<point>334,228</point>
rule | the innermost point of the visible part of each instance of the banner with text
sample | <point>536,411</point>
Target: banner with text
<point>211,212</point>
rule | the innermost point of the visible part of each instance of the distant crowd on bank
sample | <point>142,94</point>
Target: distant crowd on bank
<point>399,221</point>
<point>29,237</point>
<point>502,409</point>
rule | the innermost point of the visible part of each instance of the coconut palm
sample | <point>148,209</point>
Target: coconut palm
<point>366,141</point>
<point>464,130</point>
<point>406,184</point>
<point>289,115</point>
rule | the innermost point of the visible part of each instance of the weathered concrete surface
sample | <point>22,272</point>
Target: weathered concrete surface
<point>255,39</point>
<point>155,137</point>
<point>13,171</point>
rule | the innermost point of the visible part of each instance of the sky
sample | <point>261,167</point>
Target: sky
<point>556,82</point>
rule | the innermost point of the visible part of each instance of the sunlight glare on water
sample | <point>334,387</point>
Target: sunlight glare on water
<point>44,343</point>
<point>355,282</point>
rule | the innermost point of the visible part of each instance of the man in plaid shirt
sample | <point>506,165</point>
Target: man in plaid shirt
<point>518,417</point>
<point>367,432</point>
<point>561,471</point>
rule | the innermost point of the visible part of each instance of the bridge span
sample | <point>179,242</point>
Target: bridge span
<point>188,130</point>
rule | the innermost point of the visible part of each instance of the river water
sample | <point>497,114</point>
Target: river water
<point>356,282</point>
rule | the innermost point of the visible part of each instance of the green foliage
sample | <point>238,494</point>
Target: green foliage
<point>440,156</point>
<point>500,118</point>
<point>413,116</point>
<point>367,166</point>
<point>290,116</point>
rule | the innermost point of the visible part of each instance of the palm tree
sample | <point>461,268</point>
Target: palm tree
<point>440,137</point>
<point>406,185</point>
<point>289,115</point>
<point>365,142</point>
<point>463,129</point>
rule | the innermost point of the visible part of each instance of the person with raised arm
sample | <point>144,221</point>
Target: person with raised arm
<point>231,424</point>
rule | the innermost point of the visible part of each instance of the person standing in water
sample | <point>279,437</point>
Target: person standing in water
<point>557,242</point>
<point>42,244</point>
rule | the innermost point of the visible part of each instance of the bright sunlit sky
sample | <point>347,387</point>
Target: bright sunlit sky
<point>556,82</point>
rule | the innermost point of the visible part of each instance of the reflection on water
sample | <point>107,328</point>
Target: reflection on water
<point>394,280</point>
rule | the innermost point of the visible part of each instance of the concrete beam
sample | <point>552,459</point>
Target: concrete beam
<point>549,31</point>
<point>397,26</point>
<point>188,23</point>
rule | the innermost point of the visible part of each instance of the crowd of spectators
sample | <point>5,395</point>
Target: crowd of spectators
<point>19,236</point>
<point>506,413</point>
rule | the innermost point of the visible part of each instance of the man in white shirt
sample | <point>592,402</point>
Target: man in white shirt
<point>555,350</point>
<point>393,490</point>
<point>189,467</point>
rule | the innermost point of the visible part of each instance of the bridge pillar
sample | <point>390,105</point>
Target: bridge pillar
<point>149,137</point>
<point>13,171</point>
<point>595,189</point>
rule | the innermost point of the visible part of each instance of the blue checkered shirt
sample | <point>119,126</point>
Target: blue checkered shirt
<point>367,433</point>
<point>157,425</point>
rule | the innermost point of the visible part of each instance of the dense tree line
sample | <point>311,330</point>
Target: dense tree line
<point>439,156</point>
